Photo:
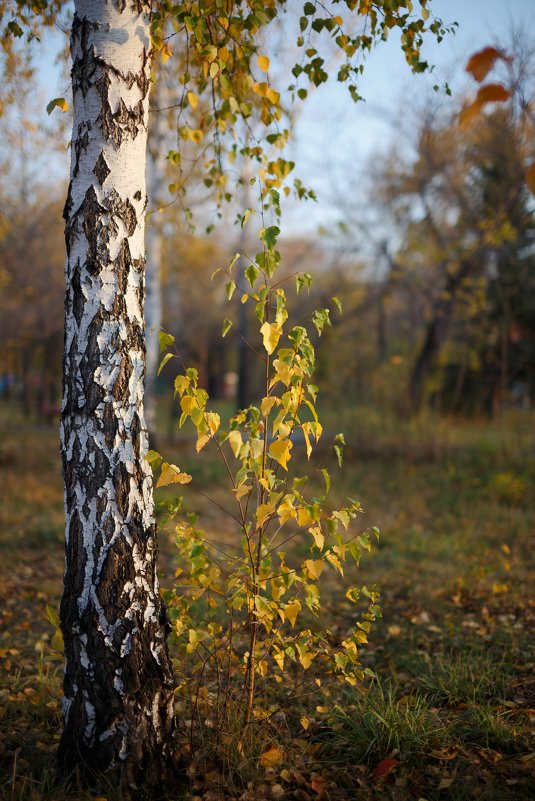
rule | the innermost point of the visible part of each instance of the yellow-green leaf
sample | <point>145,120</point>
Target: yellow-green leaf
<point>235,442</point>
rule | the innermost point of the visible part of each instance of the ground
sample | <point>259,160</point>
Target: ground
<point>451,713</point>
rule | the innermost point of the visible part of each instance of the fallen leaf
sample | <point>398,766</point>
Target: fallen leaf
<point>384,768</point>
<point>319,785</point>
<point>273,756</point>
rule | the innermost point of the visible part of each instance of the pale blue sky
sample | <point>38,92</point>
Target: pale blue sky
<point>334,135</point>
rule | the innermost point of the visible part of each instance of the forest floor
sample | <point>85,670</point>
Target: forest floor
<point>451,714</point>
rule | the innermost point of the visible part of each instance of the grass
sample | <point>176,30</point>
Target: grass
<point>453,703</point>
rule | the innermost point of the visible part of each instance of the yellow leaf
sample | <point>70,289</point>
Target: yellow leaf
<point>319,538</point>
<point>282,373</point>
<point>242,490</point>
<point>305,659</point>
<point>279,659</point>
<point>314,568</point>
<point>201,442</point>
<point>214,421</point>
<point>263,512</point>
<point>280,450</point>
<point>292,610</point>
<point>263,63</point>
<point>267,405</point>
<point>271,333</point>
<point>166,53</point>
<point>235,441</point>
<point>286,511</point>
<point>193,99</point>
<point>171,474</point>
<point>273,96</point>
<point>305,723</point>
<point>263,667</point>
<point>188,403</point>
<point>304,518</point>
<point>274,756</point>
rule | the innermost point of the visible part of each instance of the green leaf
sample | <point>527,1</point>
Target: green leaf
<point>320,318</point>
<point>269,236</point>
<point>165,340</point>
<point>234,260</point>
<point>251,274</point>
<point>338,303</point>
<point>164,361</point>
<point>152,457</point>
<point>339,442</point>
<point>301,280</point>
<point>229,289</point>
<point>227,325</point>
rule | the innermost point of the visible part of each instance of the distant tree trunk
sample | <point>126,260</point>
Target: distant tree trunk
<point>436,331</point>
<point>154,303</point>
<point>118,690</point>
<point>243,387</point>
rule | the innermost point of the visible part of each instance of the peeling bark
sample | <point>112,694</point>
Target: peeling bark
<point>118,688</point>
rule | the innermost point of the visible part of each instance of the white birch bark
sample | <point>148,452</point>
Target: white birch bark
<point>118,713</point>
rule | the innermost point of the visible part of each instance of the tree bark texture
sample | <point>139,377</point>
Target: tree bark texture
<point>118,689</point>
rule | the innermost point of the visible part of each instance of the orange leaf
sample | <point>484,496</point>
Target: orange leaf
<point>273,756</point>
<point>530,178</point>
<point>319,785</point>
<point>482,62</point>
<point>469,113</point>
<point>492,93</point>
<point>384,768</point>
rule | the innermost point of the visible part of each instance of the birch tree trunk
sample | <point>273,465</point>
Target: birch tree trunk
<point>118,690</point>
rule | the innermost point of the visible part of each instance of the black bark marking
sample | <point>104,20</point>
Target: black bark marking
<point>110,424</point>
<point>121,483</point>
<point>101,169</point>
<point>120,387</point>
<point>77,296</point>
